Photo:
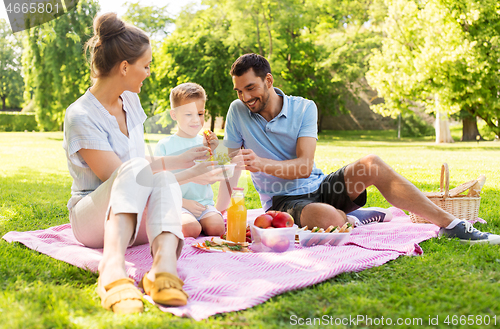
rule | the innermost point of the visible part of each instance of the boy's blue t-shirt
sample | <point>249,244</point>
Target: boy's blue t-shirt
<point>174,145</point>
<point>276,140</point>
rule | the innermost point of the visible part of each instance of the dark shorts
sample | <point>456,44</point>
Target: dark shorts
<point>332,191</point>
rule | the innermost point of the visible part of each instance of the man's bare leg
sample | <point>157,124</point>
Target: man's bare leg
<point>321,215</point>
<point>397,190</point>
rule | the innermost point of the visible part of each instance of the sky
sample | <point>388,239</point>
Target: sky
<point>174,6</point>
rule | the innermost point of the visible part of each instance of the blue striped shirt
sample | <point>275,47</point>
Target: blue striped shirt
<point>88,125</point>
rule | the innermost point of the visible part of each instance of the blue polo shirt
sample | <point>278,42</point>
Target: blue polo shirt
<point>276,140</point>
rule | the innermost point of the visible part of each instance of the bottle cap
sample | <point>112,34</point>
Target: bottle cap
<point>238,189</point>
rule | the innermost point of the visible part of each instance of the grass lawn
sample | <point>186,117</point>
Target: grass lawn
<point>449,279</point>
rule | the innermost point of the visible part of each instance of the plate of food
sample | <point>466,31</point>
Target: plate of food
<point>333,236</point>
<point>221,245</point>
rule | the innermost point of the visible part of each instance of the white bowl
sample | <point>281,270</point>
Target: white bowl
<point>227,170</point>
<point>273,239</point>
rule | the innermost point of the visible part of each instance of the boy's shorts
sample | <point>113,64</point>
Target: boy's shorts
<point>208,210</point>
<point>331,191</point>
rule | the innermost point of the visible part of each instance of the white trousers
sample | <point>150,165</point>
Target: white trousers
<point>132,188</point>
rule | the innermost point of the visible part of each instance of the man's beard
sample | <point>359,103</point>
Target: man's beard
<point>263,103</point>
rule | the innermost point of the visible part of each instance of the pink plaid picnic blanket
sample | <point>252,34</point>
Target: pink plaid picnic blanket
<point>226,282</point>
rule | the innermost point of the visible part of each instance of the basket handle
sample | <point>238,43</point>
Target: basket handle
<point>445,178</point>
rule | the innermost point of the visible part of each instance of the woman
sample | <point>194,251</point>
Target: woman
<point>119,197</point>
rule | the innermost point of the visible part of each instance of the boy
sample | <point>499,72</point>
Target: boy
<point>188,110</point>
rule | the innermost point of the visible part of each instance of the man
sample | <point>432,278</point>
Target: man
<point>278,134</point>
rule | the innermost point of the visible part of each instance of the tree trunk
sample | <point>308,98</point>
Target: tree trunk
<point>3,101</point>
<point>443,134</point>
<point>223,123</point>
<point>320,123</point>
<point>469,129</point>
<point>268,34</point>
<point>256,18</point>
<point>212,123</point>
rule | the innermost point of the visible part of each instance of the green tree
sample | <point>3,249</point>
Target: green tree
<point>475,87</point>
<point>55,67</point>
<point>196,52</point>
<point>312,54</point>
<point>286,32</point>
<point>440,49</point>
<point>155,21</point>
<point>11,80</point>
<point>345,32</point>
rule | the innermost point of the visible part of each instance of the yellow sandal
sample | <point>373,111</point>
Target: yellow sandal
<point>166,289</point>
<point>121,296</point>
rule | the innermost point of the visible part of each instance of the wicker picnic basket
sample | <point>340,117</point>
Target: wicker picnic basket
<point>459,205</point>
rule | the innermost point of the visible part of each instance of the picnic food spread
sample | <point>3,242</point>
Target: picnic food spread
<point>221,245</point>
<point>274,231</point>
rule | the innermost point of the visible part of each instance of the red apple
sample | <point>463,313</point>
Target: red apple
<point>277,243</point>
<point>281,245</point>
<point>272,213</point>
<point>263,221</point>
<point>282,219</point>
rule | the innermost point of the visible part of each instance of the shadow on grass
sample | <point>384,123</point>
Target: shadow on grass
<point>465,147</point>
<point>389,138</point>
<point>371,135</point>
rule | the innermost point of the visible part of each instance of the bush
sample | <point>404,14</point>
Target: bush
<point>16,121</point>
<point>414,126</point>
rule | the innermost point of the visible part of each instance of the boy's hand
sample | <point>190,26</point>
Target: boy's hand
<point>194,207</point>
<point>210,139</point>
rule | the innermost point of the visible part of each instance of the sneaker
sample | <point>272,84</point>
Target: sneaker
<point>466,233</point>
<point>363,216</point>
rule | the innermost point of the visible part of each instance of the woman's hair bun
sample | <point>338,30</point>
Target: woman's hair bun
<point>114,41</point>
<point>108,26</point>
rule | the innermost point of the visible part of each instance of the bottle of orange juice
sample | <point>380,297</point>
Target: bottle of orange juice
<point>237,217</point>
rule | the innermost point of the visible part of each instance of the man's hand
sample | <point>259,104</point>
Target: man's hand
<point>299,167</point>
<point>194,207</point>
<point>246,159</point>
